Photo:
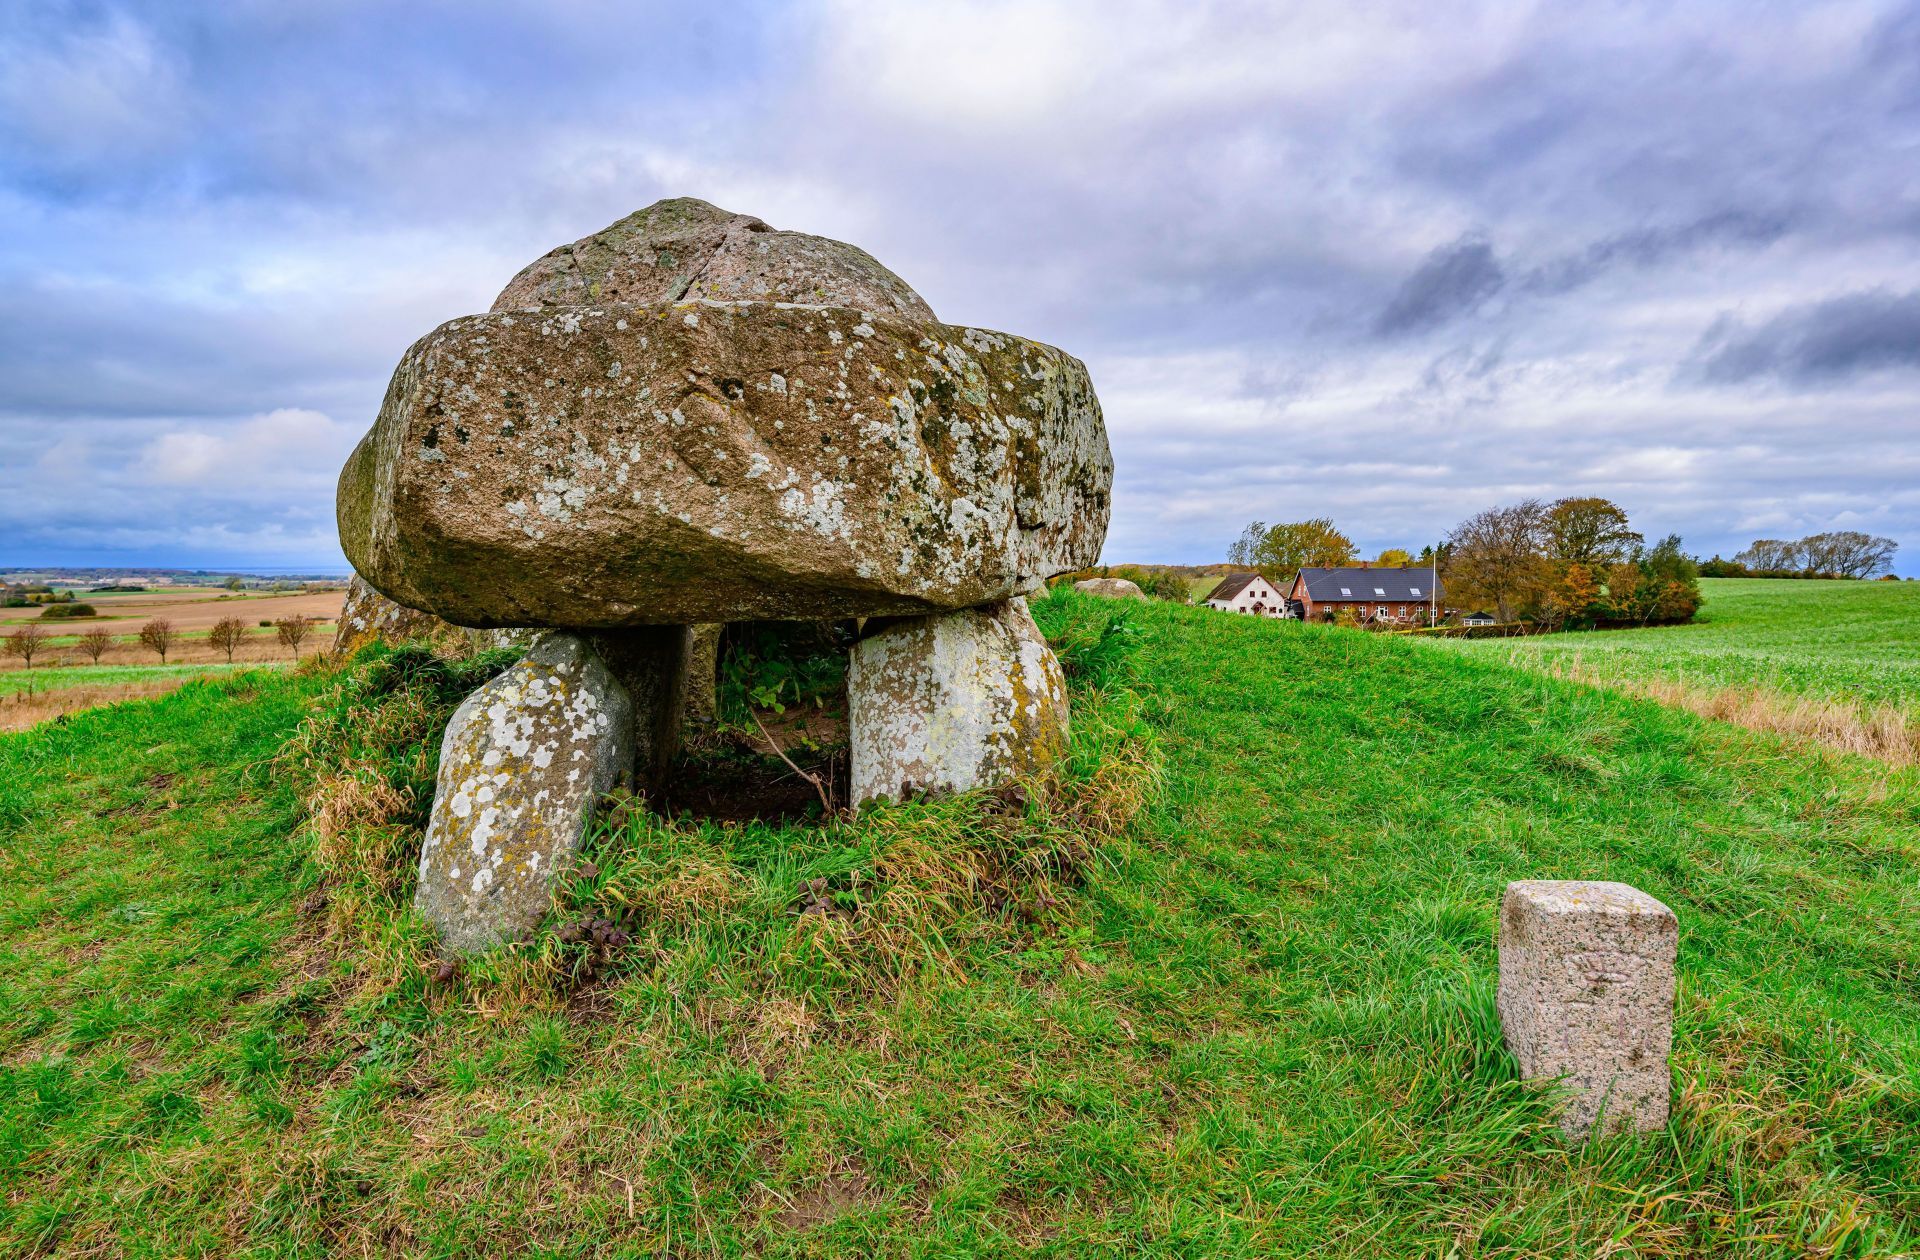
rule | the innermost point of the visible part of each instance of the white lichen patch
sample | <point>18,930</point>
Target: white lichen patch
<point>953,702</point>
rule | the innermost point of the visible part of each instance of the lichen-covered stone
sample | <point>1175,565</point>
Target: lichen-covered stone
<point>367,616</point>
<point>1111,588</point>
<point>523,762</point>
<point>684,249</point>
<point>1586,995</point>
<point>614,465</point>
<point>953,702</point>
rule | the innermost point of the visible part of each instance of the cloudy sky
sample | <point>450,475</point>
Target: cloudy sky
<point>1389,263</point>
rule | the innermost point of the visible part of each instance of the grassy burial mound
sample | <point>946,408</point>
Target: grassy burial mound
<point>1223,987</point>
<point>1833,661</point>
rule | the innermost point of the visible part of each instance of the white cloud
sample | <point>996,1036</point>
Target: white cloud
<point>289,449</point>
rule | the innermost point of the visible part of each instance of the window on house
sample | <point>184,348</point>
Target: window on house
<point>1345,591</point>
<point>1414,589</point>
<point>1379,590</point>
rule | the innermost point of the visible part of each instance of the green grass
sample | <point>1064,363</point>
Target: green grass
<point>48,678</point>
<point>1263,1026</point>
<point>1857,643</point>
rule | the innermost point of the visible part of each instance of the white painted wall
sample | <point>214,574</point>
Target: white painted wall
<point>1262,592</point>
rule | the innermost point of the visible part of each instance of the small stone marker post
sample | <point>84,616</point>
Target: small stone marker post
<point>1586,993</point>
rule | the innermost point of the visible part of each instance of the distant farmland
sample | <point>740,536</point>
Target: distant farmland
<point>64,680</point>
<point>1838,661</point>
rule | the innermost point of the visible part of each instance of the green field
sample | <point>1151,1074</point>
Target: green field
<point>1857,643</point>
<point>48,678</point>
<point>1259,1022</point>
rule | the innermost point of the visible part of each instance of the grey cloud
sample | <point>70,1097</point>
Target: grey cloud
<point>1648,247</point>
<point>1453,281</point>
<point>1816,343</point>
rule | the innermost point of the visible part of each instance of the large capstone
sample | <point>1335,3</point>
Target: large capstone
<point>614,465</point>
<point>953,702</point>
<point>684,249</point>
<point>522,765</point>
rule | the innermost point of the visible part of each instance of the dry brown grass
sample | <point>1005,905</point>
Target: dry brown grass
<point>21,709</point>
<point>1883,732</point>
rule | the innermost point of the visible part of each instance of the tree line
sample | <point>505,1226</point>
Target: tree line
<point>1571,563</point>
<point>1842,553</point>
<point>1577,561</point>
<point>1280,551</point>
<point>160,636</point>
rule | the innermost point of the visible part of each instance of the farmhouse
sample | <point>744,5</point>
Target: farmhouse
<point>1248,593</point>
<point>1395,596</point>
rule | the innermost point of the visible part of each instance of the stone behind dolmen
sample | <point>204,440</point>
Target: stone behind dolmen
<point>692,418</point>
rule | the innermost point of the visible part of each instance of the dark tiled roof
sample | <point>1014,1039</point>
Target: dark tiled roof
<point>1232,585</point>
<point>1403,586</point>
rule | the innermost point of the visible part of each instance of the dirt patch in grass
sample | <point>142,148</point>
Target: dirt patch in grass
<point>736,785</point>
<point>833,1196</point>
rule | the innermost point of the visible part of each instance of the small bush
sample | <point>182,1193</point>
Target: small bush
<point>64,612</point>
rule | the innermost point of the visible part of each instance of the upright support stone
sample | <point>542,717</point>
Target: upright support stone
<point>1586,994</point>
<point>953,702</point>
<point>651,663</point>
<point>703,672</point>
<point>523,761</point>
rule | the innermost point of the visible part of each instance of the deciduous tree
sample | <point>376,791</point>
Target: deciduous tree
<point>1286,549</point>
<point>1495,556</point>
<point>293,630</point>
<point>1590,531</point>
<point>1244,547</point>
<point>157,637</point>
<point>26,642</point>
<point>227,634</point>
<point>1848,553</point>
<point>95,643</point>
<point>1573,597</point>
<point>1394,558</point>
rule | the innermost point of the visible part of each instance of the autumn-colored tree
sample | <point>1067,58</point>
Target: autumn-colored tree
<point>1496,557</point>
<point>227,634</point>
<point>1394,558</point>
<point>26,642</point>
<point>1590,531</point>
<point>95,643</point>
<point>293,630</point>
<point>157,637</point>
<point>1573,597</point>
